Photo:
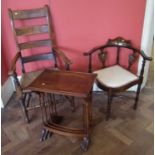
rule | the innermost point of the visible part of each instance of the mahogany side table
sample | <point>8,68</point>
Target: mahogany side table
<point>66,83</point>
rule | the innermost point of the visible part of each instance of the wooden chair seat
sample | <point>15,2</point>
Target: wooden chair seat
<point>27,78</point>
<point>119,77</point>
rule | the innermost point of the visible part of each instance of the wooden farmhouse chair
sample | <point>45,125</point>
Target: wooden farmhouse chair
<point>28,33</point>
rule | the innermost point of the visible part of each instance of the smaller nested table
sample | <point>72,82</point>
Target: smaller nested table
<point>65,83</point>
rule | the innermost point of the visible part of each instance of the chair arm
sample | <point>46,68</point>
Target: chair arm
<point>145,56</point>
<point>13,74</point>
<point>89,54</point>
<point>66,60</point>
<point>12,70</point>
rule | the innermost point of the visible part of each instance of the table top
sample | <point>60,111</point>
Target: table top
<point>64,82</point>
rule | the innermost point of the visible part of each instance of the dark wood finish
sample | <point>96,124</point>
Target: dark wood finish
<point>28,31</point>
<point>46,56</point>
<point>74,84</point>
<point>132,59</point>
<point>63,82</point>
<point>29,14</point>
<point>102,57</point>
<point>34,44</point>
<point>118,54</point>
<point>119,44</point>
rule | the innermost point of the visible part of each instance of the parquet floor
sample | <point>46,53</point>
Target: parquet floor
<point>128,132</point>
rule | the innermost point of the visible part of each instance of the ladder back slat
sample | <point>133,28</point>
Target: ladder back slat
<point>30,30</point>
<point>34,44</point>
<point>44,56</point>
<point>28,14</point>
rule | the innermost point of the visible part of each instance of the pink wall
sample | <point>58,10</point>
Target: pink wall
<point>79,25</point>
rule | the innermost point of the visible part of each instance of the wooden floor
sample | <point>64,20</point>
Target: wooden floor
<point>128,132</point>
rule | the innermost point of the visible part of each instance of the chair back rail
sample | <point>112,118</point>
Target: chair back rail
<point>31,30</point>
<point>119,43</point>
<point>29,14</point>
<point>34,44</point>
<point>45,56</point>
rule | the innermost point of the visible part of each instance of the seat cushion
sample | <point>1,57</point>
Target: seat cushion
<point>115,76</point>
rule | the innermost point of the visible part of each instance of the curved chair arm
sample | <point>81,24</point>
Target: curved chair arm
<point>66,60</point>
<point>145,56</point>
<point>13,64</point>
<point>89,54</point>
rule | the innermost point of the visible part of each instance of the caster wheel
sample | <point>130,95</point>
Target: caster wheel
<point>85,144</point>
<point>43,133</point>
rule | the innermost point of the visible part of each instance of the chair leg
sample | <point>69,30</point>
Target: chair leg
<point>137,97</point>
<point>108,112</point>
<point>72,104</point>
<point>22,103</point>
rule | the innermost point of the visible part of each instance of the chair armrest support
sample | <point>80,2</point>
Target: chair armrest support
<point>145,57</point>
<point>12,70</point>
<point>66,60</point>
<point>12,73</point>
<point>89,61</point>
<point>89,54</point>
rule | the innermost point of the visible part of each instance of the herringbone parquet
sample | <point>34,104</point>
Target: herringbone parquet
<point>128,132</point>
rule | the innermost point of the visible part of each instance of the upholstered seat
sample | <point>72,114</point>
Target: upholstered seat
<point>119,77</point>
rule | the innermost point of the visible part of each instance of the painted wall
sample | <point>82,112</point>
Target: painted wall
<point>79,25</point>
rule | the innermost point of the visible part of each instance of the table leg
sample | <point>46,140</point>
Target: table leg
<point>90,109</point>
<point>54,116</point>
<point>87,114</point>
<point>72,104</point>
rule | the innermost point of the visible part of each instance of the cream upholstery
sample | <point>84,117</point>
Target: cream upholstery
<point>115,76</point>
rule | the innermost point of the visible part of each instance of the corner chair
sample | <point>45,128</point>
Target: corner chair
<point>117,77</point>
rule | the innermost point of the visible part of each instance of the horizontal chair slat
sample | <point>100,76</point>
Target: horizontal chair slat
<point>32,30</point>
<point>28,14</point>
<point>34,44</point>
<point>45,56</point>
